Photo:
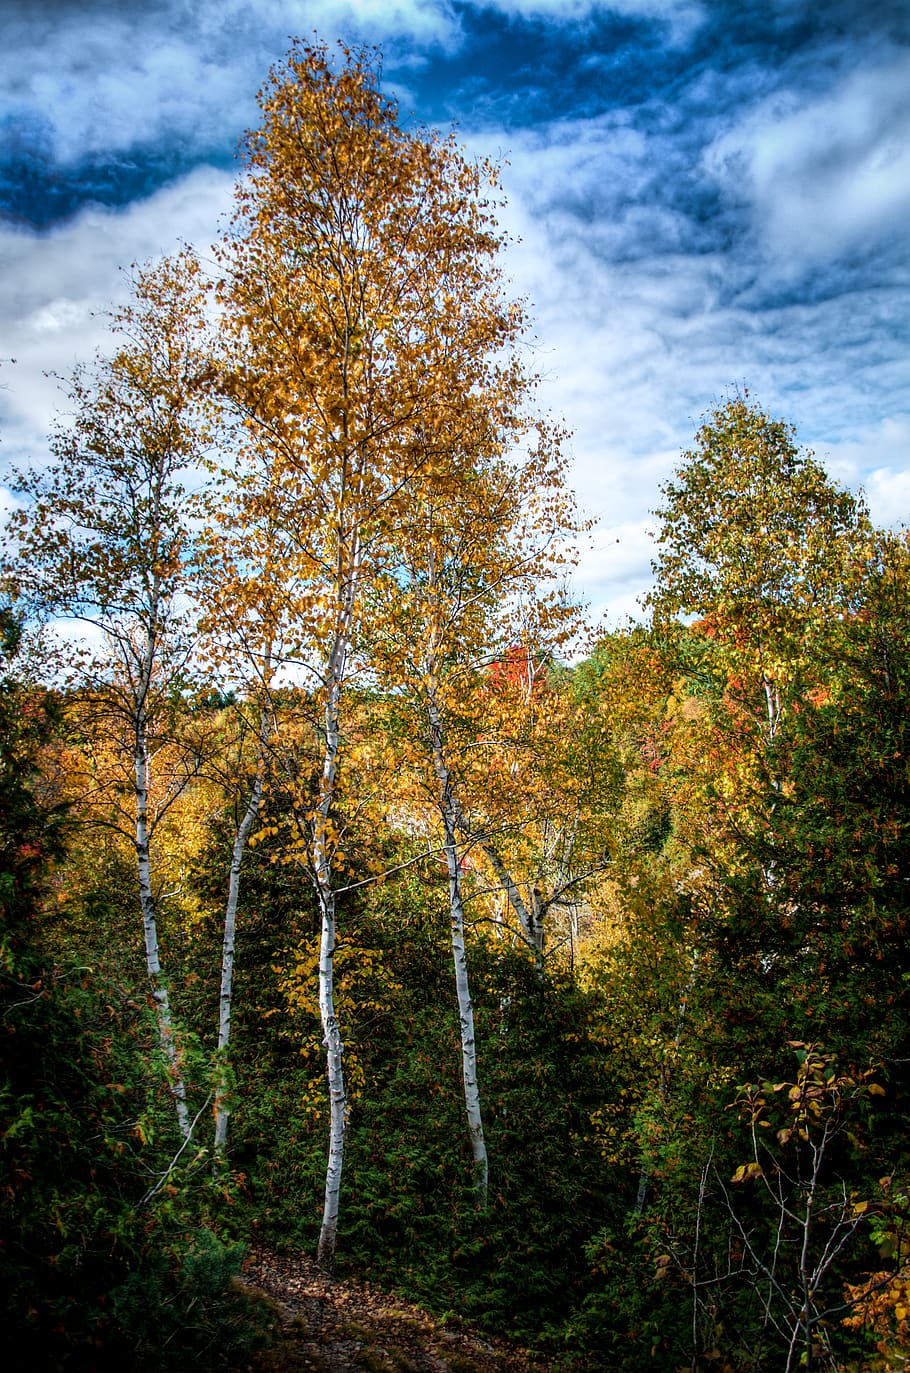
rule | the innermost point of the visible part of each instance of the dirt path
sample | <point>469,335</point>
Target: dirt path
<point>345,1327</point>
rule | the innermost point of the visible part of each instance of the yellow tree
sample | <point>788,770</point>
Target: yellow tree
<point>361,306</point>
<point>102,538</point>
<point>764,552</point>
<point>540,810</point>
<point>471,579</point>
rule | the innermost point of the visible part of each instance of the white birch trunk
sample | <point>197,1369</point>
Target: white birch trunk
<point>447,804</point>
<point>150,926</point>
<point>331,1035</point>
<point>328,1234</point>
<point>222,1113</point>
<point>530,919</point>
<point>325,891</point>
<point>772,704</point>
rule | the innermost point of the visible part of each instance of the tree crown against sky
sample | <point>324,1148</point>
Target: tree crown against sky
<point>705,194</point>
<point>642,809</point>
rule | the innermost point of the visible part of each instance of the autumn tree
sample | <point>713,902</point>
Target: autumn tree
<point>101,538</point>
<point>361,307</point>
<point>772,566</point>
<point>757,543</point>
<point>476,552</point>
<point>543,817</point>
<point>765,551</point>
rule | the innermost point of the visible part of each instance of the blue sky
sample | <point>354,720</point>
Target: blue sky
<point>705,195</point>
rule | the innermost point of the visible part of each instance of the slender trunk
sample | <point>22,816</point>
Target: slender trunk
<point>222,1113</point>
<point>325,891</point>
<point>805,1323</point>
<point>448,808</point>
<point>328,1233</point>
<point>530,918</point>
<point>334,1047</point>
<point>150,925</point>
<point>141,683</point>
<point>772,705</point>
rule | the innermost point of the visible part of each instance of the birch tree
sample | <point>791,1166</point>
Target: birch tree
<point>240,617</point>
<point>102,539</point>
<point>251,730</point>
<point>472,575</point>
<point>360,299</point>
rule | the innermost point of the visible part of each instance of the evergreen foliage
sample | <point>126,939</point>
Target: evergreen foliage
<point>676,871</point>
<point>89,1277</point>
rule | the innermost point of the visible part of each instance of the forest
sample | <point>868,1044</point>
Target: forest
<point>358,899</point>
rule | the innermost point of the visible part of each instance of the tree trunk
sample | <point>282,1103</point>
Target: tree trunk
<point>328,1233</point>
<point>530,918</point>
<point>150,925</point>
<point>447,805</point>
<point>334,1047</point>
<point>531,921</point>
<point>222,1113</point>
<point>325,891</point>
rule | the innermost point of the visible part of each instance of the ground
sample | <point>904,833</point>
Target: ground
<point>330,1326</point>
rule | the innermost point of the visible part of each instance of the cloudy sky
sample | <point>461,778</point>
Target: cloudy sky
<point>705,194</point>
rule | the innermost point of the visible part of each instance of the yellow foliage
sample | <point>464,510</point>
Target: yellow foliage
<point>881,1304</point>
<point>364,990</point>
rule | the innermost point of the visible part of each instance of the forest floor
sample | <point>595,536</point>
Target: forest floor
<point>338,1326</point>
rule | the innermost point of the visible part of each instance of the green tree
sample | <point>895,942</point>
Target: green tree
<point>88,1280</point>
<point>775,755</point>
<point>760,545</point>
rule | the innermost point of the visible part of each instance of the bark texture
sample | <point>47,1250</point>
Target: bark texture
<point>222,1114</point>
<point>150,927</point>
<point>323,844</point>
<point>448,809</point>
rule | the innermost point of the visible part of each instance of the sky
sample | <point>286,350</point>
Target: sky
<point>701,196</point>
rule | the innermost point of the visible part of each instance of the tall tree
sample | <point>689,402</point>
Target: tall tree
<point>102,539</point>
<point>470,579</point>
<point>361,302</point>
<point>767,881</point>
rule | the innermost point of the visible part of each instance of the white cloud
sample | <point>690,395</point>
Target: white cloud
<point>888,495</point>
<point>878,458</point>
<point>825,174</point>
<point>636,347</point>
<point>56,287</point>
<point>425,20</point>
<point>615,570</point>
<point>118,76</point>
<point>113,76</point>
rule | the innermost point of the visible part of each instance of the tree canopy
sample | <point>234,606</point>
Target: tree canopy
<point>331,739</point>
